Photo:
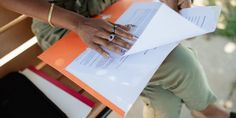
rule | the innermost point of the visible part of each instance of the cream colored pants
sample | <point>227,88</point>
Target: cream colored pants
<point>180,79</point>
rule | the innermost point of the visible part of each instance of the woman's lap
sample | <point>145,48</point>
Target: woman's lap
<point>180,78</point>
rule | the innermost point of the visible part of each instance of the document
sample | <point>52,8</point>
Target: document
<point>163,25</point>
<point>122,78</point>
<point>204,17</point>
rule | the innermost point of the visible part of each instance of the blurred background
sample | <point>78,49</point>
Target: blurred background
<point>217,54</point>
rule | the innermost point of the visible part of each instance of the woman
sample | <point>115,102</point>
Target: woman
<point>180,79</point>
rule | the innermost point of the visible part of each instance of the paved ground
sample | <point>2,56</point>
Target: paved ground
<point>218,57</point>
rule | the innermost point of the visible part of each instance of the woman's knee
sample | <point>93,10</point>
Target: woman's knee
<point>180,66</point>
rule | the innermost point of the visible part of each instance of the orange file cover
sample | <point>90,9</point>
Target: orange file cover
<point>63,52</point>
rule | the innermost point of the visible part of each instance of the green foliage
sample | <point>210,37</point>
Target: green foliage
<point>229,17</point>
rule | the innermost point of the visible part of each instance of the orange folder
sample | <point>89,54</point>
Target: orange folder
<point>63,52</point>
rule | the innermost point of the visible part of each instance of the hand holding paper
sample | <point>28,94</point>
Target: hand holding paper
<point>112,80</point>
<point>166,26</point>
<point>160,29</point>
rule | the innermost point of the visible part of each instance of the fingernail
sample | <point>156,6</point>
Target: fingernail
<point>123,51</point>
<point>118,51</point>
<point>130,25</point>
<point>135,37</point>
<point>106,55</point>
<point>128,46</point>
<point>133,25</point>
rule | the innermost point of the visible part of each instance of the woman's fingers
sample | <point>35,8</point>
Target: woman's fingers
<point>118,31</point>
<point>97,48</point>
<point>125,27</point>
<point>103,34</point>
<point>171,3</point>
<point>117,40</point>
<point>123,33</point>
<point>177,4</point>
<point>97,34</point>
<point>184,4</point>
<point>107,44</point>
<point>121,43</point>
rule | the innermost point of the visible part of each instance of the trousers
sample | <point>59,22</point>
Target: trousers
<point>179,80</point>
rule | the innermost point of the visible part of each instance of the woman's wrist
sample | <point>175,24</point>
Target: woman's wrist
<point>75,21</point>
<point>66,19</point>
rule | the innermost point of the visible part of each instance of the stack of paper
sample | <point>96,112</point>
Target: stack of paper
<point>121,79</point>
<point>159,25</point>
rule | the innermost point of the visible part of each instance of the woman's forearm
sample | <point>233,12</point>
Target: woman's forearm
<point>95,33</point>
<point>39,9</point>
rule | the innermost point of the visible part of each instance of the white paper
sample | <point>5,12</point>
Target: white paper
<point>204,17</point>
<point>167,26</point>
<point>117,78</point>
<point>70,105</point>
<point>121,79</point>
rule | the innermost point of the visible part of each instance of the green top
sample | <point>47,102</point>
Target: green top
<point>48,35</point>
<point>86,7</point>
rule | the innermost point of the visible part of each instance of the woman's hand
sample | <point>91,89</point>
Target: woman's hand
<point>95,33</point>
<point>184,4</point>
<point>177,4</point>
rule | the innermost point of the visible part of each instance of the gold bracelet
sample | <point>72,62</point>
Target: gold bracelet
<point>50,14</point>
